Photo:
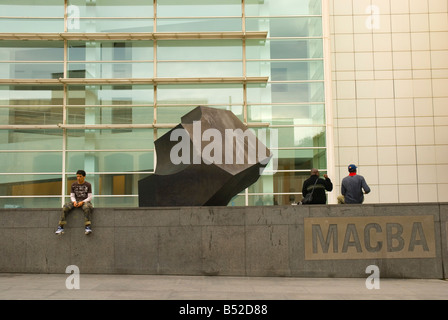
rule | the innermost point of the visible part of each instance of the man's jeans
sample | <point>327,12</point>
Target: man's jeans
<point>87,208</point>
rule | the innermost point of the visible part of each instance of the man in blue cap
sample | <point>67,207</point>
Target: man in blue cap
<point>353,185</point>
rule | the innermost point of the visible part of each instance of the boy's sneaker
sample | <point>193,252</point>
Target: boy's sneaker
<point>59,231</point>
<point>88,230</point>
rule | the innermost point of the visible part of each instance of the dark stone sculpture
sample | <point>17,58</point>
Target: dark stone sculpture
<point>206,160</point>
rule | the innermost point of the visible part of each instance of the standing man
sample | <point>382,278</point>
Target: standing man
<point>353,185</point>
<point>81,197</point>
<point>317,186</point>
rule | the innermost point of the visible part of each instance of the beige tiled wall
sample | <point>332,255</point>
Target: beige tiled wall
<point>390,96</point>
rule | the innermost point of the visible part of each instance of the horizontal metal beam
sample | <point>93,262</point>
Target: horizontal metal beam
<point>153,81</point>
<point>106,126</point>
<point>92,36</point>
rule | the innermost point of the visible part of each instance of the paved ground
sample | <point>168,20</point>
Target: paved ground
<point>15,286</point>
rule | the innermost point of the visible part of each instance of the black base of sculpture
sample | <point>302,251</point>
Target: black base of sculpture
<point>200,184</point>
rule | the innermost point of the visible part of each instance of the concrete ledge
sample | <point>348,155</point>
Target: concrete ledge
<point>403,240</point>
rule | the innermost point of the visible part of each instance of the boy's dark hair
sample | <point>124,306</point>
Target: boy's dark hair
<point>81,172</point>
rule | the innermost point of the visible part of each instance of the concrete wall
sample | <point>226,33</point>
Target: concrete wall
<point>403,240</point>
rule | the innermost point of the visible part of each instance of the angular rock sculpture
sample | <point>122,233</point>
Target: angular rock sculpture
<point>206,160</point>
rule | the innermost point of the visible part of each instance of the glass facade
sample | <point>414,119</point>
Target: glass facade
<point>91,84</point>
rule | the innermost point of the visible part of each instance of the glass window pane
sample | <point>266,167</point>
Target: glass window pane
<point>199,25</point>
<point>110,95</point>
<point>20,162</point>
<point>173,114</point>
<point>198,8</point>
<point>282,182</point>
<point>111,115</point>
<point>31,185</point>
<point>110,70</point>
<point>106,139</point>
<point>286,92</point>
<point>286,70</point>
<point>201,94</point>
<point>200,69</point>
<point>31,70</point>
<point>32,8</point>
<point>23,25</point>
<point>112,25</point>
<point>31,115</point>
<point>111,8</point>
<point>287,27</point>
<point>34,202</point>
<point>31,50</point>
<point>238,200</point>
<point>300,136</point>
<point>110,50</point>
<point>284,49</point>
<point>26,95</point>
<point>301,159</point>
<point>128,161</point>
<point>287,114</point>
<point>283,7</point>
<point>199,50</point>
<point>38,139</point>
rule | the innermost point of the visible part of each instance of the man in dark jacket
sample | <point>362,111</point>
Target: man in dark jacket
<point>319,186</point>
<point>353,185</point>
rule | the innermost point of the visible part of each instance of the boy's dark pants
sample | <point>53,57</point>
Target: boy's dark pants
<point>87,208</point>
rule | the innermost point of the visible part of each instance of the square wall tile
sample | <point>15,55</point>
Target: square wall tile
<point>426,173</point>
<point>345,90</point>
<point>406,155</point>
<point>423,107</point>
<point>442,153</point>
<point>382,42</point>
<point>388,193</point>
<point>387,156</point>
<point>404,107</point>
<point>408,193</point>
<point>388,175</point>
<point>342,7</point>
<point>427,193</point>
<point>343,24</point>
<point>360,7</point>
<point>368,156</point>
<point>405,136</point>
<point>420,41</point>
<point>400,23</point>
<point>401,41</point>
<point>399,7</point>
<point>407,174</point>
<point>442,172</point>
<point>426,154</point>
<point>418,6</point>
<point>442,192</point>
<point>440,106</point>
<point>365,108</point>
<point>367,137</point>
<point>438,6</point>
<point>424,135</point>
<point>347,155</point>
<point>343,43</point>
<point>441,135</point>
<point>385,107</point>
<point>386,137</point>
<point>419,22</point>
<point>347,137</point>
